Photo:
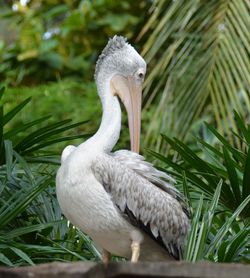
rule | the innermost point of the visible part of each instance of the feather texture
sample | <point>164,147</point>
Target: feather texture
<point>155,210</point>
<point>145,169</point>
<point>114,44</point>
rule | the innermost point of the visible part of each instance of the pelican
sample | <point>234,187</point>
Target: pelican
<point>128,207</point>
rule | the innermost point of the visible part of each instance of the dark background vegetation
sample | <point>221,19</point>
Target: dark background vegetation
<point>195,121</point>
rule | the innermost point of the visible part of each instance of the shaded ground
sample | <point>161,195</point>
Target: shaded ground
<point>115,270</point>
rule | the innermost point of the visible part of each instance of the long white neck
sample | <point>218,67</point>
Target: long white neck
<point>109,131</point>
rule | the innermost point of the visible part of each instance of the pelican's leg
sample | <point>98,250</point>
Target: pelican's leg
<point>106,256</point>
<point>135,246</point>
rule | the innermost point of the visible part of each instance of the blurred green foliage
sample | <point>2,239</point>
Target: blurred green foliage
<point>32,135</point>
<point>48,51</point>
<point>198,53</point>
<point>64,99</point>
<point>58,38</point>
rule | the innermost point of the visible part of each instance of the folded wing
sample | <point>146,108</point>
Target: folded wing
<point>144,198</point>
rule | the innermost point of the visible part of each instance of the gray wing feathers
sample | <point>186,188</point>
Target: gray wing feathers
<point>138,164</point>
<point>150,206</point>
<point>145,169</point>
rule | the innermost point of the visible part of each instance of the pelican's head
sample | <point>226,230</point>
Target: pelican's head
<point>125,70</point>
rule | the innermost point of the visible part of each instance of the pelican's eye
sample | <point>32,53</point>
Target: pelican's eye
<point>140,75</point>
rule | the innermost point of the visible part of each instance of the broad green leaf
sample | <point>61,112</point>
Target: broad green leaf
<point>203,169</point>
<point>222,251</point>
<point>39,249</point>
<point>190,176</point>
<point>246,177</point>
<point>51,142</point>
<point>32,137</point>
<point>214,150</point>
<point>192,237</point>
<point>13,132</point>
<point>197,163</point>
<point>238,154</point>
<point>236,244</point>
<point>63,248</point>
<point>232,174</point>
<point>11,114</point>
<point>26,167</point>
<point>22,255</point>
<point>53,160</point>
<point>216,155</point>
<point>8,157</point>
<point>217,240</point>
<point>90,245</point>
<point>214,203</point>
<point>185,189</point>
<point>45,133</point>
<point>19,202</point>
<point>242,127</point>
<point>29,229</point>
<point>205,225</point>
<point>5,260</point>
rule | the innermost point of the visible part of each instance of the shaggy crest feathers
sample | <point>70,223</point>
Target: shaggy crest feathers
<point>114,44</point>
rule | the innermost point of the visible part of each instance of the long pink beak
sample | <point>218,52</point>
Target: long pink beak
<point>130,93</point>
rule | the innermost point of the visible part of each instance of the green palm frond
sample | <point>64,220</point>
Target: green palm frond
<point>207,165</point>
<point>29,143</point>
<point>215,180</point>
<point>199,53</point>
<point>32,227</point>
